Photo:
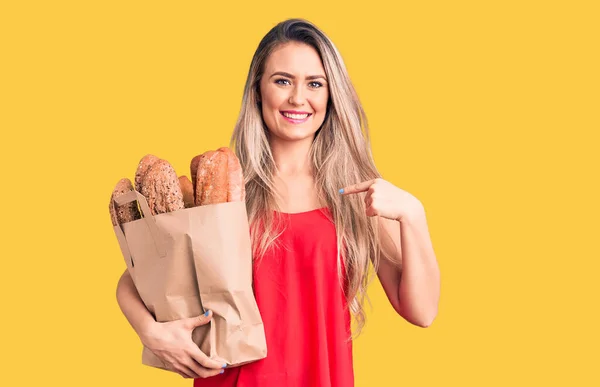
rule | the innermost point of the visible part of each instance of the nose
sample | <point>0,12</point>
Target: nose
<point>297,96</point>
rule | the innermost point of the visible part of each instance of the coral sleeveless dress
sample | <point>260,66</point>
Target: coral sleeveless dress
<point>304,311</point>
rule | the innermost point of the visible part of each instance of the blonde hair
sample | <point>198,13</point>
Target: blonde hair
<point>340,153</point>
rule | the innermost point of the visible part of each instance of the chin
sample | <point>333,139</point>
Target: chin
<point>286,136</point>
<point>294,133</point>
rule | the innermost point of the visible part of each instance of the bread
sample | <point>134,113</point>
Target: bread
<point>216,177</point>
<point>194,165</point>
<point>194,170</point>
<point>200,175</point>
<point>236,191</point>
<point>144,165</point>
<point>187,190</point>
<point>211,181</point>
<point>160,187</point>
<point>124,213</point>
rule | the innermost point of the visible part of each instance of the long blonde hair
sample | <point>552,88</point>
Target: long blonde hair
<point>340,153</point>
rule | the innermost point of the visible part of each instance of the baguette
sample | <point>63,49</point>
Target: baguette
<point>236,191</point>
<point>212,179</point>
<point>124,213</point>
<point>194,170</point>
<point>161,188</point>
<point>187,190</point>
<point>200,173</point>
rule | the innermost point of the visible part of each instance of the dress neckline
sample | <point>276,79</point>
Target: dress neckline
<point>302,212</point>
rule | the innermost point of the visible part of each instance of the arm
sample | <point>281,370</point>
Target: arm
<point>170,341</point>
<point>408,270</point>
<point>130,302</point>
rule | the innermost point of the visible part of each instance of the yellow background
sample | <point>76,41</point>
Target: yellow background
<point>488,112</point>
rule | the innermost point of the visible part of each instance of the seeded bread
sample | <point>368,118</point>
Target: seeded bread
<point>160,187</point>
<point>127,212</point>
<point>144,165</point>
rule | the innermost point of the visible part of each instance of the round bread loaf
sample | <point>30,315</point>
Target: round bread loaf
<point>160,187</point>
<point>143,166</point>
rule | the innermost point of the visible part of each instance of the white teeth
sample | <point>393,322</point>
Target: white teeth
<point>295,116</point>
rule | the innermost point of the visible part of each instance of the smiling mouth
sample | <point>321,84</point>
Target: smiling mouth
<point>296,117</point>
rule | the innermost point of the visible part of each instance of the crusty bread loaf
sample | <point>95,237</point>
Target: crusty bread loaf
<point>201,175</point>
<point>124,213</point>
<point>160,187</point>
<point>194,170</point>
<point>236,190</point>
<point>212,179</point>
<point>187,190</point>
<point>144,165</point>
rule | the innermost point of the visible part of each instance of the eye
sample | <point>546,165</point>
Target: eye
<point>281,80</point>
<point>316,85</point>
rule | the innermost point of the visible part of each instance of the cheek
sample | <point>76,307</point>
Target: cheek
<point>272,98</point>
<point>267,107</point>
<point>270,108</point>
<point>321,103</point>
<point>269,118</point>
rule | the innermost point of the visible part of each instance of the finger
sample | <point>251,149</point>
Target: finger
<point>196,368</point>
<point>197,321</point>
<point>202,372</point>
<point>184,371</point>
<point>356,188</point>
<point>204,360</point>
<point>372,212</point>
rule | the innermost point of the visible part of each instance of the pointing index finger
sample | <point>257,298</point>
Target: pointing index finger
<point>356,188</point>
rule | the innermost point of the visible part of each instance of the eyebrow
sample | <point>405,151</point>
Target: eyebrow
<point>310,77</point>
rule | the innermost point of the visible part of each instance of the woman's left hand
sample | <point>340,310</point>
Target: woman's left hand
<point>386,200</point>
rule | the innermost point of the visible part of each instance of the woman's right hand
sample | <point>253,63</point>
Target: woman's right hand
<point>172,343</point>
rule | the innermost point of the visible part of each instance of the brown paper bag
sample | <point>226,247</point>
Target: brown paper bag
<point>192,260</point>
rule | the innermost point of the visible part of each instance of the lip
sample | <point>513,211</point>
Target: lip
<point>293,121</point>
<point>295,112</point>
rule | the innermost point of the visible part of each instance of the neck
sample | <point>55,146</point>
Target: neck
<point>292,157</point>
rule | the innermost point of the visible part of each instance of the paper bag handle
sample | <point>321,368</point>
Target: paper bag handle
<point>148,218</point>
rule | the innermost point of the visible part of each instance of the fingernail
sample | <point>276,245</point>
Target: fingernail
<point>341,190</point>
<point>206,313</point>
<point>222,371</point>
<point>224,365</point>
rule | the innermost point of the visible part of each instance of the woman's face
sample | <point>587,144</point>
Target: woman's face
<point>294,92</point>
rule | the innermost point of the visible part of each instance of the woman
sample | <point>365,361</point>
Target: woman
<point>300,137</point>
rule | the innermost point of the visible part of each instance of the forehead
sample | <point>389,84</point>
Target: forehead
<point>295,58</point>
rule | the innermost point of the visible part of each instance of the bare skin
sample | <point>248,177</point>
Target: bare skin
<point>294,80</point>
<point>169,341</point>
<point>290,143</point>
